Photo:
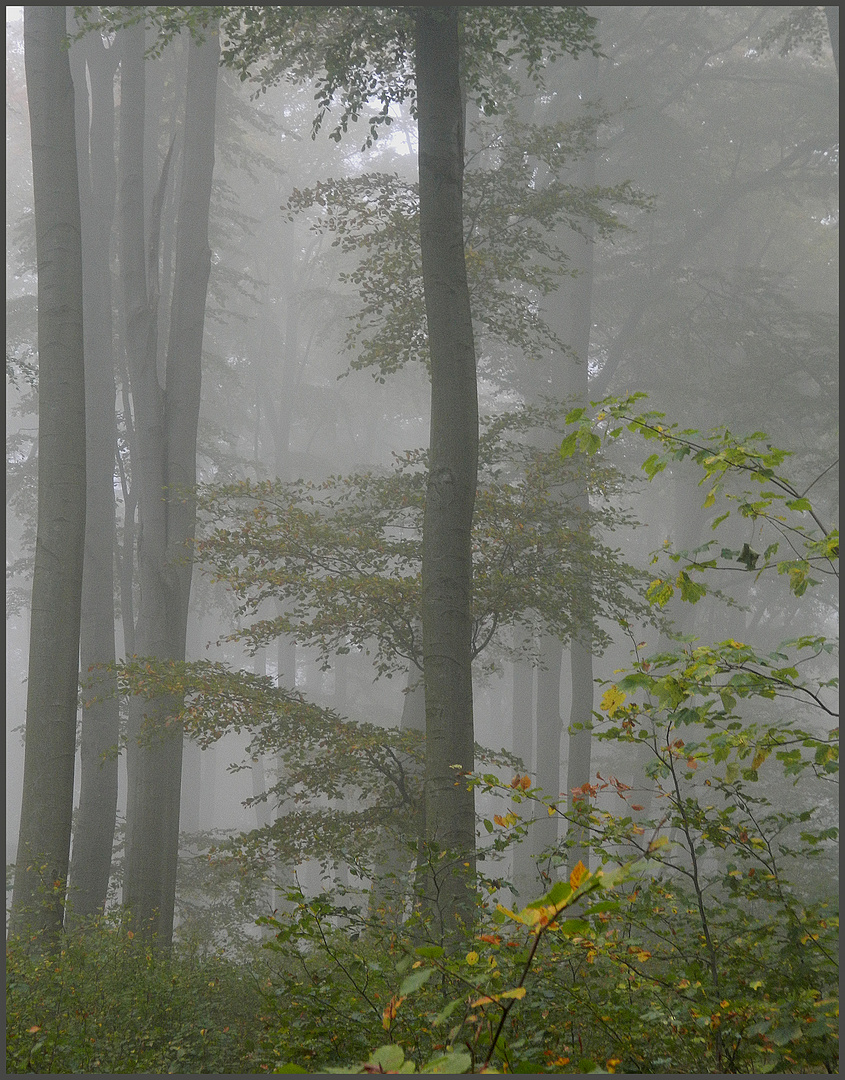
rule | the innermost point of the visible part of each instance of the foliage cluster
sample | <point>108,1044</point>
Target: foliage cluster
<point>365,56</point>
<point>103,1002</point>
<point>702,943</point>
<point>512,227</point>
<point>340,560</point>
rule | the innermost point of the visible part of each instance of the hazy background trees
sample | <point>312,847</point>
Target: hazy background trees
<point>719,298</point>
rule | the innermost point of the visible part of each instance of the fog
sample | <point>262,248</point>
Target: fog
<point>661,218</point>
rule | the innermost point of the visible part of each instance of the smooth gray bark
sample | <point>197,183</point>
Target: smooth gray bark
<point>93,839</point>
<point>579,297</point>
<point>164,458</point>
<point>524,866</point>
<point>579,758</point>
<point>832,16</point>
<point>453,463</point>
<point>393,862</point>
<point>53,677</point>
<point>549,732</point>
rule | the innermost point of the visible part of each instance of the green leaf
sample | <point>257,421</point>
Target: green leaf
<point>559,892</point>
<point>567,447</point>
<point>446,1011</point>
<point>786,1033</point>
<point>415,980</point>
<point>429,952</point>
<point>653,465</point>
<point>389,1057</point>
<point>691,591</point>
<point>748,557</point>
<point>574,415</point>
<point>588,442</point>
<point>574,926</point>
<point>457,1061</point>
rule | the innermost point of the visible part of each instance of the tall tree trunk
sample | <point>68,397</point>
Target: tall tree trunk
<point>53,677</point>
<point>453,466</point>
<point>393,861</point>
<point>165,459</point>
<point>524,867</point>
<point>579,756</point>
<point>578,299</point>
<point>93,838</point>
<point>832,16</point>
<point>549,731</point>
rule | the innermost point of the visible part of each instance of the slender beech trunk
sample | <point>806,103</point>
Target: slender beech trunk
<point>578,298</point>
<point>453,466</point>
<point>580,737</point>
<point>394,860</point>
<point>524,867</point>
<point>164,457</point>
<point>579,752</point>
<point>549,732</point>
<point>832,16</point>
<point>53,677</point>
<point>93,839</point>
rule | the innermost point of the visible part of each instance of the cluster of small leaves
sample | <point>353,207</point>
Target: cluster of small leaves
<point>344,788</point>
<point>356,56</point>
<point>722,456</point>
<point>444,1011</point>
<point>340,560</point>
<point>512,252</point>
<point>325,757</point>
<point>101,1002</point>
<point>799,27</point>
<point>713,948</point>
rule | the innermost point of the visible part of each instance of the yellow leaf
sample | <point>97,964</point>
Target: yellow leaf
<point>759,758</point>
<point>518,992</point>
<point>472,957</point>
<point>579,873</point>
<point>612,699</point>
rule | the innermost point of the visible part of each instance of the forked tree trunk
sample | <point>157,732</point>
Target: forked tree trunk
<point>164,459</point>
<point>53,677</point>
<point>453,466</point>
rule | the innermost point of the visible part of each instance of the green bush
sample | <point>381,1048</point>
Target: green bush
<point>104,1002</point>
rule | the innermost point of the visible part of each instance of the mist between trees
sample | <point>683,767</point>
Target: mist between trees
<point>422,499</point>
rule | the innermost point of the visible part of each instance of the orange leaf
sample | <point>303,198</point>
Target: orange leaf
<point>578,874</point>
<point>390,1010</point>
